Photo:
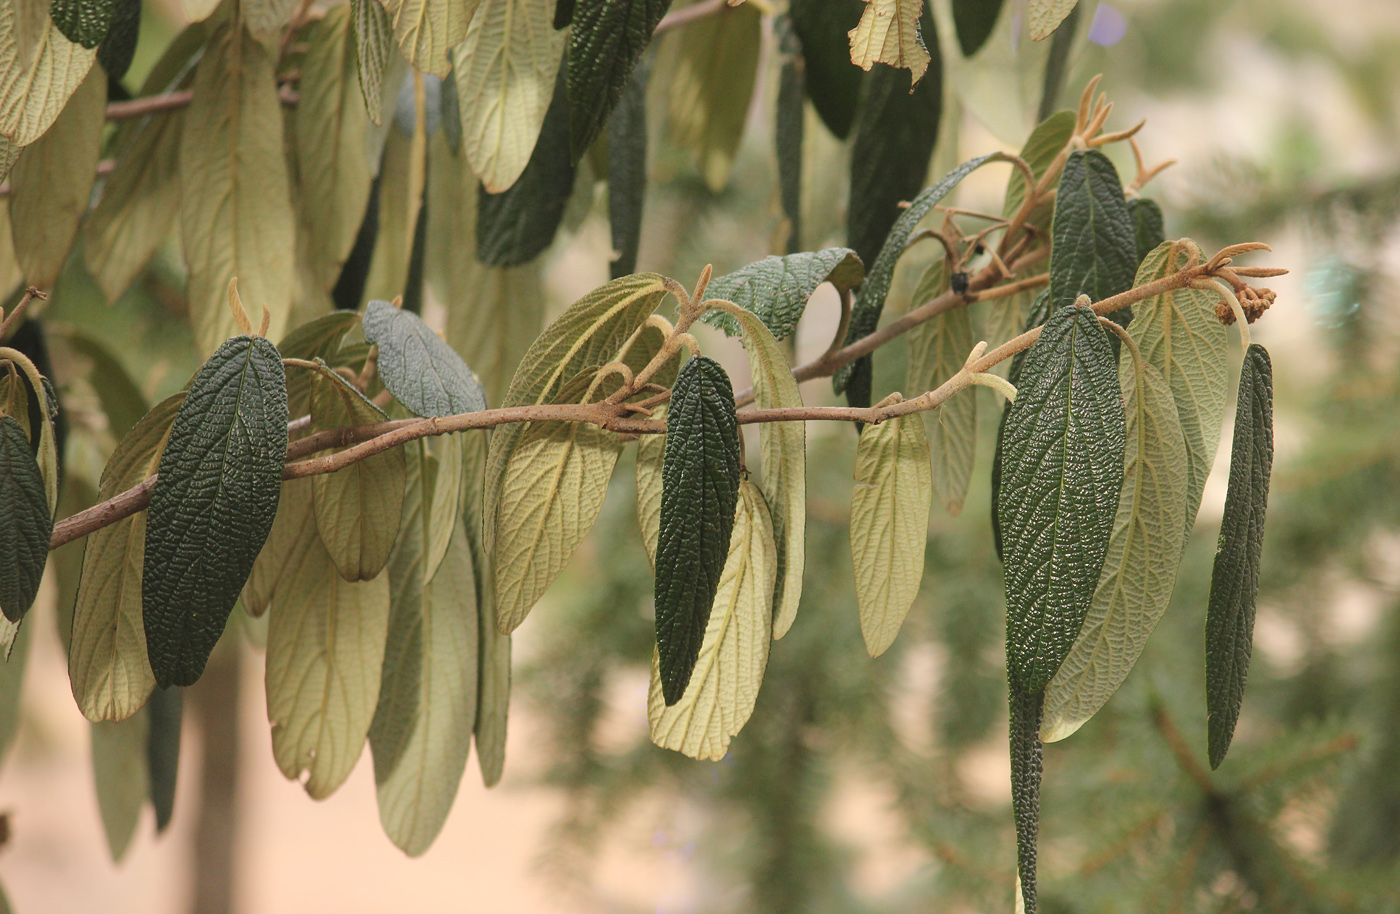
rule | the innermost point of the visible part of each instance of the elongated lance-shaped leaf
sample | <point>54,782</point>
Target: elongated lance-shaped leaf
<point>39,69</point>
<point>888,33</point>
<point>26,523</point>
<point>1093,247</point>
<point>420,370</point>
<point>374,38</point>
<point>1140,568</point>
<point>164,711</point>
<point>889,524</point>
<point>14,657</point>
<point>1042,147</point>
<point>1178,333</point>
<point>1025,789</point>
<point>515,226</point>
<point>627,171</point>
<point>1062,468</point>
<point>734,654</point>
<point>426,31</point>
<point>493,648</point>
<point>82,21</point>
<point>119,44</point>
<point>122,777</point>
<point>1039,314</point>
<point>1234,581</point>
<point>700,484</point>
<point>974,20</point>
<point>651,457</point>
<point>213,505</point>
<point>607,40</point>
<point>107,665</point>
<point>833,82</point>
<point>1147,225</point>
<point>789,125</point>
<point>776,289</point>
<point>870,302</point>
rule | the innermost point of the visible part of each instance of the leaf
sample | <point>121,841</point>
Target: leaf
<point>122,401</point>
<point>357,508</point>
<point>589,333</point>
<point>777,289</point>
<point>505,73</point>
<point>888,32</point>
<point>325,653</point>
<point>700,484</point>
<point>119,45</point>
<point>865,313</point>
<point>782,449</point>
<point>235,214</point>
<point>401,185</point>
<point>1043,146</point>
<point>712,65</point>
<point>563,14</point>
<point>276,563</point>
<point>551,492</point>
<point>1140,566</point>
<point>1044,16</point>
<point>1147,225</point>
<point>374,32</point>
<point>107,664</point>
<point>39,70</point>
<point>937,350</point>
<point>14,657</point>
<point>833,82</point>
<point>651,456</point>
<point>332,147</point>
<point>627,172</point>
<point>1234,579</point>
<point>83,22</point>
<point>52,182</point>
<point>734,653</point>
<point>788,129</point>
<point>606,41</point>
<point>123,781</point>
<point>1062,468</point>
<point>26,521</point>
<point>427,30</point>
<point>265,18</point>
<point>493,680</point>
<point>1026,752</point>
<point>1093,248</point>
<point>213,505</point>
<point>974,21</point>
<point>420,370</point>
<point>322,338</point>
<point>889,524</point>
<point>1179,335</point>
<point>514,227</point>
<point>164,712</point>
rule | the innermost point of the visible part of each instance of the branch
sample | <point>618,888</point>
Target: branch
<point>180,98</point>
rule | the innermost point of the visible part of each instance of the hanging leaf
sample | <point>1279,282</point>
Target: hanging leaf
<point>14,657</point>
<point>107,665</point>
<point>265,18</point>
<point>606,41</point>
<point>1043,146</point>
<point>974,21</point>
<point>888,33</point>
<point>1062,468</point>
<point>52,182</point>
<point>777,289</point>
<point>493,679</point>
<point>651,456</point>
<point>1093,249</point>
<point>402,180</point>
<point>1025,790</point>
<point>734,653</point>
<point>235,214</point>
<point>39,70</point>
<point>1179,335</point>
<point>1234,581</point>
<point>122,401</point>
<point>865,314</point>
<point>788,127</point>
<point>325,653</point>
<point>374,33</point>
<point>119,44</point>
<point>505,72</point>
<point>833,82</point>
<point>627,172</point>
<point>121,773</point>
<point>84,22</point>
<point>357,508</point>
<point>514,227</point>
<point>26,521</point>
<point>420,370</point>
<point>889,524</point>
<point>214,504</point>
<point>1140,566</point>
<point>937,350</point>
<point>1044,16</point>
<point>277,562</point>
<point>700,483</point>
<point>164,712</point>
<point>712,65</point>
<point>426,31</point>
<point>1147,225</point>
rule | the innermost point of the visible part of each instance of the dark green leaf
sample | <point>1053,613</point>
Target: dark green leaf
<point>1039,314</point>
<point>83,21</point>
<point>777,288</point>
<point>833,82</point>
<point>1148,227</point>
<point>1234,582</point>
<point>974,20</point>
<point>607,40</point>
<point>627,172</point>
<point>119,46</point>
<point>865,314</point>
<point>213,505</point>
<point>1062,467</point>
<point>563,14</point>
<point>699,495</point>
<point>26,524</point>
<point>1025,786</point>
<point>420,370</point>
<point>515,226</point>
<point>788,130</point>
<point>163,752</point>
<point>1093,243</point>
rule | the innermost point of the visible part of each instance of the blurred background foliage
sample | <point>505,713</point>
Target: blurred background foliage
<point>881,786</point>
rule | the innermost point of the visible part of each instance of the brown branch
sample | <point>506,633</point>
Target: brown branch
<point>702,10</point>
<point>171,101</point>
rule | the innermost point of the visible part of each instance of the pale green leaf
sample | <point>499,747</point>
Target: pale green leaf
<point>14,657</point>
<point>445,499</point>
<point>1044,16</point>
<point>427,30</point>
<point>235,213</point>
<point>400,196</point>
<point>889,524</point>
<point>119,770</point>
<point>374,38</point>
<point>265,18</point>
<point>198,10</point>
<point>888,32</point>
<point>1140,567</point>
<point>294,527</point>
<point>39,69</point>
<point>734,653</point>
<point>651,454</point>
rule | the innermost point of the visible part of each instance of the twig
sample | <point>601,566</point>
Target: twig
<point>702,10</point>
